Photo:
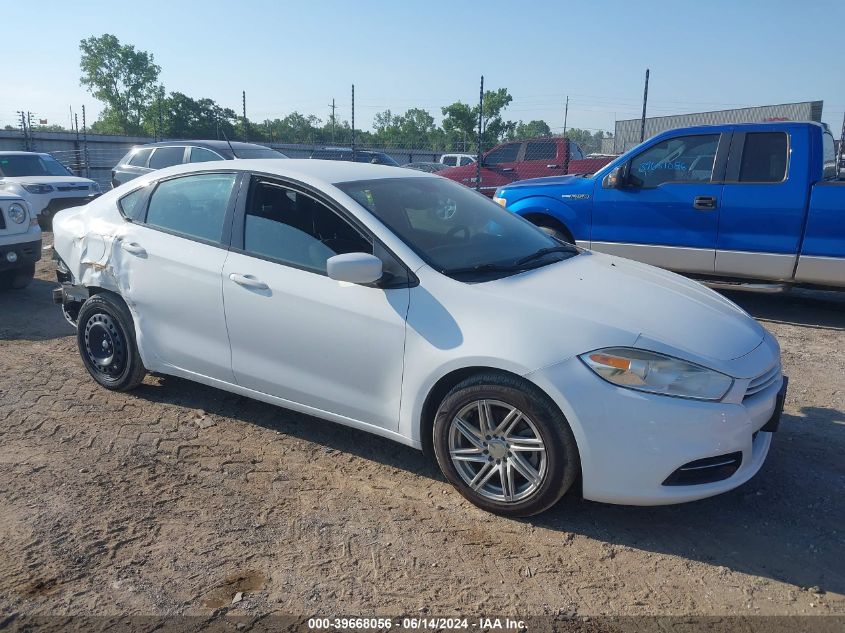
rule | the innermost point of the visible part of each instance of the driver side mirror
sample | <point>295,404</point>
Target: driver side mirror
<point>617,178</point>
<point>355,268</point>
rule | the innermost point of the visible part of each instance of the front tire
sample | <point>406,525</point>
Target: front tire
<point>504,445</point>
<point>18,278</point>
<point>106,338</point>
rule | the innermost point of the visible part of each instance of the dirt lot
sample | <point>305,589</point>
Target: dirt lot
<point>173,498</point>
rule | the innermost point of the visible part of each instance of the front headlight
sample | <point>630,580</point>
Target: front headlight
<point>17,213</point>
<point>656,373</point>
<point>95,188</point>
<point>38,188</point>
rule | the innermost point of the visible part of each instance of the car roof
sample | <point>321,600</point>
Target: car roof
<point>308,170</point>
<point>211,144</point>
<point>19,153</point>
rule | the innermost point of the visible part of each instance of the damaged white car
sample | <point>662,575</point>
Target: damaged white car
<point>410,306</point>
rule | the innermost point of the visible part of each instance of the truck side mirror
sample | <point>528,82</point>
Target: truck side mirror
<point>615,178</point>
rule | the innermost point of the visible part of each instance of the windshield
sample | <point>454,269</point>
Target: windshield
<point>375,158</point>
<point>31,165</point>
<point>259,153</point>
<point>455,229</point>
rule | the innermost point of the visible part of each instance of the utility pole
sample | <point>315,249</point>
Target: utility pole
<point>22,125</point>
<point>332,106</point>
<point>478,140</point>
<point>75,126</point>
<point>29,118</point>
<point>243,99</point>
<point>85,144</point>
<point>565,116</point>
<point>645,102</point>
<point>353,123</point>
<point>160,129</point>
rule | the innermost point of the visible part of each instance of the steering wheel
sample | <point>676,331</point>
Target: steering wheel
<point>453,232</point>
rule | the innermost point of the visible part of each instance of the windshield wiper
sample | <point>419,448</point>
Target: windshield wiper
<point>482,268</point>
<point>545,251</point>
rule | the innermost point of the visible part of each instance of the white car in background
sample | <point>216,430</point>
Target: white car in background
<point>46,184</point>
<point>20,242</point>
<point>457,160</point>
<point>412,307</point>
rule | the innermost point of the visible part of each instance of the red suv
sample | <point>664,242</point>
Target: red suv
<point>518,160</point>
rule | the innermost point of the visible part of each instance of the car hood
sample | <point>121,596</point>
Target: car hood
<point>47,180</point>
<point>545,180</point>
<point>661,311</point>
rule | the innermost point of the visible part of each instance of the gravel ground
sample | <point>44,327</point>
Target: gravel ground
<point>176,497</point>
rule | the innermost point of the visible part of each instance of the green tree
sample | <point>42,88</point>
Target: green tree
<point>179,116</point>
<point>460,121</point>
<point>532,129</point>
<point>123,78</point>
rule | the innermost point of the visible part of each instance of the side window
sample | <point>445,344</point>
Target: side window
<point>450,160</point>
<point>504,154</point>
<point>166,157</point>
<point>294,228</point>
<point>202,155</point>
<point>139,158</point>
<point>829,170</point>
<point>128,204</point>
<point>686,159</point>
<point>466,161</point>
<point>764,157</point>
<point>575,152</point>
<point>541,150</point>
<point>194,206</point>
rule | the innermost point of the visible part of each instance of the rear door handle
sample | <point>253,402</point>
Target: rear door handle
<point>248,281</point>
<point>704,203</point>
<point>552,166</point>
<point>132,247</point>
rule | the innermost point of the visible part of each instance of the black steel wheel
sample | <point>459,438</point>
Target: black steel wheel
<point>106,340</point>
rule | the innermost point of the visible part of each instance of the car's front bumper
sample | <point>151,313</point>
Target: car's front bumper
<point>27,247</point>
<point>632,443</point>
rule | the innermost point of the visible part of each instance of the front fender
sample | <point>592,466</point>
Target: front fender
<point>576,218</point>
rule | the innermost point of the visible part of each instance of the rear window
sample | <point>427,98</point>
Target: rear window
<point>139,158</point>
<point>540,150</point>
<point>764,157</point>
<point>449,160</point>
<point>259,153</point>
<point>194,206</point>
<point>166,157</point>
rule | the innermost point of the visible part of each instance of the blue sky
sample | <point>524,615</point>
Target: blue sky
<point>299,55</point>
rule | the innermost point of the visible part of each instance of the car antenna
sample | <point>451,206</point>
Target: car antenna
<point>230,144</point>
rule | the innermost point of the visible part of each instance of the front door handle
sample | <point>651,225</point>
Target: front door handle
<point>704,203</point>
<point>248,281</point>
<point>132,247</point>
<point>552,166</point>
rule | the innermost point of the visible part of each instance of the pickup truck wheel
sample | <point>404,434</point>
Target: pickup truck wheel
<point>106,339</point>
<point>18,278</point>
<point>504,445</point>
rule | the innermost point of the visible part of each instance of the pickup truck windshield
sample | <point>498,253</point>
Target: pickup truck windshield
<point>31,165</point>
<point>456,230</point>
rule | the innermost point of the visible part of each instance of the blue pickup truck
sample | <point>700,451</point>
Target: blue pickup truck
<point>758,205</point>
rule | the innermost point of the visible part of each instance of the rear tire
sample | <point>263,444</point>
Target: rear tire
<point>105,335</point>
<point>520,461</point>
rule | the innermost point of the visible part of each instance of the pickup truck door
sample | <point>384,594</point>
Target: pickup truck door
<point>542,157</point>
<point>764,203</point>
<point>664,209</point>
<point>499,168</point>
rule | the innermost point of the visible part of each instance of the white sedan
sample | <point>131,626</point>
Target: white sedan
<point>409,306</point>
